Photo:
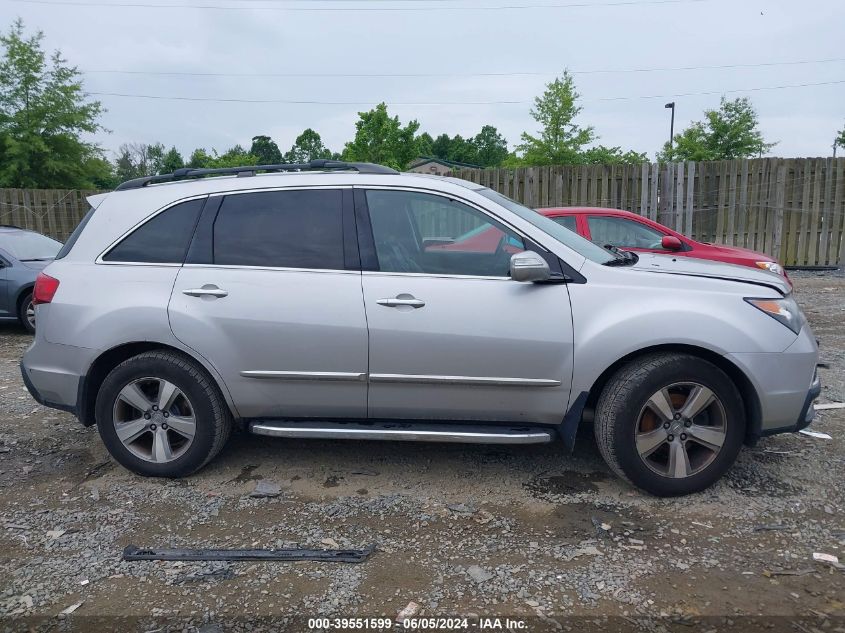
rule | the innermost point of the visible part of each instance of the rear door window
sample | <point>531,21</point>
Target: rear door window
<point>281,229</point>
<point>163,239</point>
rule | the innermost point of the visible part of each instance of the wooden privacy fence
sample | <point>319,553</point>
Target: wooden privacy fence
<point>792,209</point>
<point>54,212</point>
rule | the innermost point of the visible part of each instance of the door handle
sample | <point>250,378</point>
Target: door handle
<point>401,301</point>
<point>207,290</point>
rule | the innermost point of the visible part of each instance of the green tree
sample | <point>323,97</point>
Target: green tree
<point>606,155</point>
<point>200,159</point>
<point>441,147</point>
<point>265,150</point>
<point>308,146</point>
<point>462,150</point>
<point>425,144</point>
<point>43,114</point>
<point>380,138</point>
<point>172,161</point>
<point>840,139</point>
<point>727,133</point>
<point>233,157</point>
<point>155,158</point>
<point>135,160</point>
<point>491,148</point>
<point>560,140</point>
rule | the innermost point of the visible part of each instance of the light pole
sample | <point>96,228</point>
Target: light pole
<point>671,125</point>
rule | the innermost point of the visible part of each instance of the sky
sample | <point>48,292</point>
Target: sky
<point>453,65</point>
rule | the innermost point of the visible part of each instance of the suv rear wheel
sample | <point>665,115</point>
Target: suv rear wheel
<point>160,415</point>
<point>671,424</point>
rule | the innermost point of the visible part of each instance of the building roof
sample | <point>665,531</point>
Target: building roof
<point>422,160</point>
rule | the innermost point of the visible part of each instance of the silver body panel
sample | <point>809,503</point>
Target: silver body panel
<point>299,323</point>
<point>447,433</point>
<point>285,343</point>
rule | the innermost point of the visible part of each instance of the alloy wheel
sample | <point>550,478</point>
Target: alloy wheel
<point>30,314</point>
<point>681,429</point>
<point>154,420</point>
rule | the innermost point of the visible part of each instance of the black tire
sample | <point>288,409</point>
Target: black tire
<point>624,397</point>
<point>23,308</point>
<point>213,418</point>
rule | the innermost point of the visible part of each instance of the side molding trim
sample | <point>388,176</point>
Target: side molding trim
<point>305,375</point>
<point>492,381</point>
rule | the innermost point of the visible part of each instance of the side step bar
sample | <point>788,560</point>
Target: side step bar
<point>406,431</point>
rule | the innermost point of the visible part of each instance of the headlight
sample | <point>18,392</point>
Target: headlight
<point>785,310</point>
<point>772,267</point>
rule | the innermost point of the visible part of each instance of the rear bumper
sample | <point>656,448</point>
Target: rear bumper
<point>53,374</point>
<point>70,408</point>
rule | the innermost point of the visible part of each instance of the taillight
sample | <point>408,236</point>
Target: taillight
<point>45,289</point>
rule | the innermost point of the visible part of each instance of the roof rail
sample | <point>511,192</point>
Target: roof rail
<point>321,164</point>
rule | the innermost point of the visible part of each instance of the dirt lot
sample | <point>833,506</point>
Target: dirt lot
<point>549,539</point>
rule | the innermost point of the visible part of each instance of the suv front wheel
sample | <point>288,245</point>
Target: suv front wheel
<point>160,415</point>
<point>671,424</point>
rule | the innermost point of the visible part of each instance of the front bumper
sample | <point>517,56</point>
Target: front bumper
<point>786,383</point>
<point>808,411</point>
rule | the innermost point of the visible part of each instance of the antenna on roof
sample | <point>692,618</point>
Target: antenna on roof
<point>320,164</point>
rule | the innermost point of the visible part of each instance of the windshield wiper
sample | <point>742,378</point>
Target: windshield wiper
<point>37,259</point>
<point>623,258</point>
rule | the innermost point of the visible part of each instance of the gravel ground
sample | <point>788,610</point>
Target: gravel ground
<point>531,533</point>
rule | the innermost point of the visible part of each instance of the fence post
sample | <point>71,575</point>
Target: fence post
<point>780,199</point>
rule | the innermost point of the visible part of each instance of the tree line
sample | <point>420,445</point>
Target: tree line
<point>45,116</point>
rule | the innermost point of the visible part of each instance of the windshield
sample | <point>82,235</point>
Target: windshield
<point>563,235</point>
<point>27,246</point>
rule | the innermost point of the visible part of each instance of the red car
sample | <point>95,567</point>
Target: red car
<point>614,227</point>
<point>633,232</point>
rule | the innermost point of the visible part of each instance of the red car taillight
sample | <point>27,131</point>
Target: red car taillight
<point>45,289</point>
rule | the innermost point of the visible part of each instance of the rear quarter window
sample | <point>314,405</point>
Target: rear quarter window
<point>163,239</point>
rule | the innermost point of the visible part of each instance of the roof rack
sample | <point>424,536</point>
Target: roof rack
<point>250,170</point>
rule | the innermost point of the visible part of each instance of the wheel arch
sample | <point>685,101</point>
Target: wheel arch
<point>89,386</point>
<point>750,399</point>
<point>22,292</point>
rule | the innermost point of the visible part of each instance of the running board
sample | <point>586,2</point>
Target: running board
<point>408,432</point>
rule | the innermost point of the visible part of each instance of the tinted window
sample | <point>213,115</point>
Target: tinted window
<point>622,232</point>
<point>75,235</point>
<point>423,233</point>
<point>29,246</point>
<point>285,229</point>
<point>161,240</point>
<point>567,222</point>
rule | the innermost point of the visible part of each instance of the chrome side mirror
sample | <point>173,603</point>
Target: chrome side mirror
<point>529,266</point>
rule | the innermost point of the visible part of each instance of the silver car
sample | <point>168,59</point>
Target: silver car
<point>333,300</point>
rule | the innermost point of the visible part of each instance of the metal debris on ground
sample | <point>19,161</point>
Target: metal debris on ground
<point>70,609</point>
<point>134,553</point>
<point>829,559</point>
<point>829,405</point>
<point>816,434</point>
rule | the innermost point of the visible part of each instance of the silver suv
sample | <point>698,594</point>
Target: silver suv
<point>342,300</point>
